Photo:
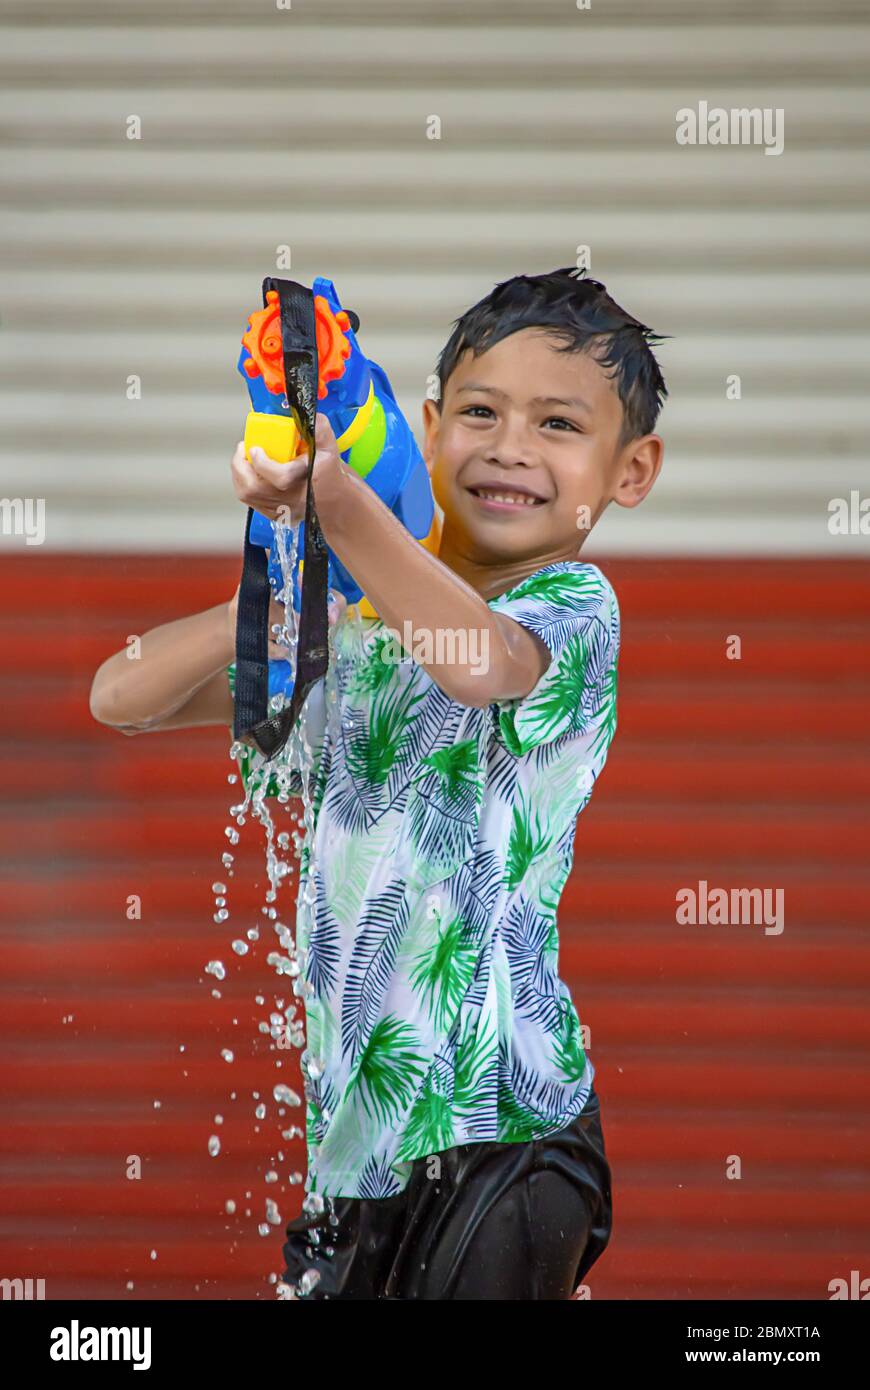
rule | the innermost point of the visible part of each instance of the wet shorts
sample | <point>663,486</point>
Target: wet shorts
<point>500,1221</point>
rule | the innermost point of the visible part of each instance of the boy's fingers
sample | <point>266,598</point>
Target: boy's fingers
<point>282,476</point>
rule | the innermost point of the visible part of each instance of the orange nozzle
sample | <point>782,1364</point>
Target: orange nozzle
<point>263,341</point>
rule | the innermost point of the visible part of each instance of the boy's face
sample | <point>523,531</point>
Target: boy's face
<point>526,415</point>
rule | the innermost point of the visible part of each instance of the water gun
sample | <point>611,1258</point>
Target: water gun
<point>299,355</point>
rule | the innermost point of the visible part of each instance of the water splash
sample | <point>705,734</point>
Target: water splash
<point>270,787</point>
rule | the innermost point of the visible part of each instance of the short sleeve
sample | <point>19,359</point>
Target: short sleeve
<point>312,720</point>
<point>572,608</point>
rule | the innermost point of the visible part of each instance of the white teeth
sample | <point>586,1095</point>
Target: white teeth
<point>514,498</point>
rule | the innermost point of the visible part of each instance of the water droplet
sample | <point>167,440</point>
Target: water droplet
<point>154,1254</point>
<point>214,1146</point>
<point>240,948</point>
<point>309,1281</point>
<point>226,1054</point>
<point>229,1206</point>
<point>216,968</point>
<point>260,1112</point>
<point>218,1119</point>
<point>271,1176</point>
<point>219,888</point>
<point>313,1204</point>
<point>263,1229</point>
<point>284,1096</point>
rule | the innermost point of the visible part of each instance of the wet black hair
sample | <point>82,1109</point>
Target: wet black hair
<point>580,312</point>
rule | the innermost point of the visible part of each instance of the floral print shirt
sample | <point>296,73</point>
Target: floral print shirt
<point>442,838</point>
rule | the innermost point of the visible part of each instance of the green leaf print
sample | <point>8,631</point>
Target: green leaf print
<point>527,842</point>
<point>568,1053</point>
<point>388,1071</point>
<point>444,971</point>
<point>559,705</point>
<point>374,674</point>
<point>456,766</point>
<point>429,1127</point>
<point>560,586</point>
<point>443,805</point>
<point>372,752</point>
<point>515,1122</point>
<point>475,1055</point>
<point>605,711</point>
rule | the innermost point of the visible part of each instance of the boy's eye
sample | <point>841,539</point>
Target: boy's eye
<point>560,420</point>
<point>484,411</point>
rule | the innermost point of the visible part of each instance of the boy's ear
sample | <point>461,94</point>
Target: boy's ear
<point>431,424</point>
<point>638,469</point>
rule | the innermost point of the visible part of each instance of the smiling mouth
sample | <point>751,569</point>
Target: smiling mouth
<point>505,501</point>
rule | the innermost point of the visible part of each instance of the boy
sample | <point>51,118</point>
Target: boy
<point>452,1118</point>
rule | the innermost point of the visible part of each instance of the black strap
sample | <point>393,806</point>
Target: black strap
<point>299,345</point>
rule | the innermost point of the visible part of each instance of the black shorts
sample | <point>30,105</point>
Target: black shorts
<point>500,1221</point>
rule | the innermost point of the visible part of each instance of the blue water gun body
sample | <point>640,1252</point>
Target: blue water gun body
<point>373,436</point>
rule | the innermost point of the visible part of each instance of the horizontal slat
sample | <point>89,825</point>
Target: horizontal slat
<point>814,897</point>
<point>408,13</point>
<point>598,968</point>
<point>90,361</point>
<point>87,525</point>
<point>677,590</point>
<point>117,426</point>
<point>759,715</point>
<point>636,774</point>
<point>723,1025</point>
<point>238,53</point>
<point>246,239</point>
<point>766,651</point>
<point>177,832</point>
<point>827,117</point>
<point>665,178</point>
<point>95,331</point>
<point>657,1201</point>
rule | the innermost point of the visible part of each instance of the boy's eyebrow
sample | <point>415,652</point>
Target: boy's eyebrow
<point>536,400</point>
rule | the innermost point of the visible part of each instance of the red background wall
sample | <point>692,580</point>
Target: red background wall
<point>707,1041</point>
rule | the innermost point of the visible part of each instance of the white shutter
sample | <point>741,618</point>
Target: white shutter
<point>307,126</point>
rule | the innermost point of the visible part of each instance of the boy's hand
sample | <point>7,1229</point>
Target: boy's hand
<point>336,605</point>
<point>279,490</point>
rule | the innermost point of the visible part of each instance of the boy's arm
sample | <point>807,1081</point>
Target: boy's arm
<point>407,583</point>
<point>179,678</point>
